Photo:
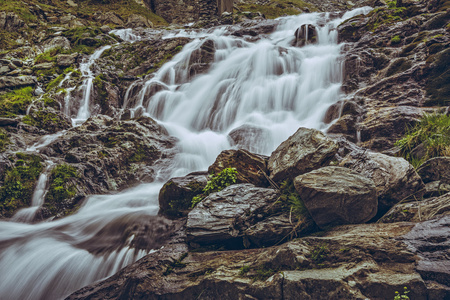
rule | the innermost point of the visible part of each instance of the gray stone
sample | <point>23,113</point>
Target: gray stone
<point>44,66</point>
<point>56,42</point>
<point>336,195</point>
<point>395,179</point>
<point>4,70</point>
<point>109,18</point>
<point>435,169</point>
<point>65,60</point>
<point>138,21</point>
<point>8,122</point>
<point>20,81</point>
<point>304,151</point>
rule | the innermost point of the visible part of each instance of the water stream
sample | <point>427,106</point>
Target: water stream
<point>268,85</point>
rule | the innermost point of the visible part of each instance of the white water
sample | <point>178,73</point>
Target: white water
<point>26,215</point>
<point>269,85</point>
<point>85,69</point>
<point>126,35</point>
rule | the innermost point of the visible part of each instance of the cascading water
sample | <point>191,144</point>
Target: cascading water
<point>85,68</point>
<point>268,85</point>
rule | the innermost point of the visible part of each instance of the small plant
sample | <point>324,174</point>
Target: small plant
<point>226,177</point>
<point>395,39</point>
<point>178,264</point>
<point>243,270</point>
<point>433,133</point>
<point>320,253</point>
<point>403,296</point>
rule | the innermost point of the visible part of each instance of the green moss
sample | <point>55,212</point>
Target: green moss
<point>44,119</point>
<point>320,253</point>
<point>55,82</point>
<point>19,182</point>
<point>102,93</point>
<point>178,264</point>
<point>15,102</point>
<point>433,132</point>
<point>4,139</point>
<point>61,186</point>
<point>395,40</point>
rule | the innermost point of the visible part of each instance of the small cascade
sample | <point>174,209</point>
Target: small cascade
<point>126,35</point>
<point>85,68</point>
<point>45,141</point>
<point>27,215</point>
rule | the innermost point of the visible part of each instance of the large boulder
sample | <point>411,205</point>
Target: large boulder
<point>336,195</point>
<point>251,138</point>
<point>134,21</point>
<point>395,178</point>
<point>56,42</point>
<point>175,197</point>
<point>65,60</point>
<point>250,167</point>
<point>223,217</point>
<point>304,151</point>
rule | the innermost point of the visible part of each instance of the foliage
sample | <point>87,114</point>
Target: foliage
<point>433,132</point>
<point>290,197</point>
<point>15,102</point>
<point>19,182</point>
<point>225,178</point>
<point>403,296</point>
<point>243,270</point>
<point>4,139</point>
<point>61,187</point>
<point>178,264</point>
<point>320,253</point>
<point>102,93</point>
<point>395,39</point>
<point>44,118</point>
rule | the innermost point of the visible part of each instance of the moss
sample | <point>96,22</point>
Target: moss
<point>4,139</point>
<point>55,82</point>
<point>397,66</point>
<point>102,93</point>
<point>438,79</point>
<point>15,102</point>
<point>19,182</point>
<point>178,264</point>
<point>395,40</point>
<point>61,187</point>
<point>44,119</point>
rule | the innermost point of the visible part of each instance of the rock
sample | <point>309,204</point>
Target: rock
<point>9,21</point>
<point>395,179</point>
<point>44,66</point>
<point>417,211</point>
<point>15,82</point>
<point>105,28</point>
<point>56,42</point>
<point>435,169</point>
<point>8,122</point>
<point>250,138</point>
<point>336,195</point>
<point>202,58</point>
<point>4,70</point>
<point>250,167</point>
<point>305,34</point>
<point>109,18</point>
<point>66,60</point>
<point>138,21</point>
<point>436,189</point>
<point>223,217</point>
<point>175,197</point>
<point>304,151</point>
<point>347,262</point>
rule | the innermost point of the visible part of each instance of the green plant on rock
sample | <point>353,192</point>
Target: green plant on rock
<point>432,133</point>
<point>61,186</point>
<point>226,177</point>
<point>395,39</point>
<point>4,139</point>
<point>399,296</point>
<point>15,102</point>
<point>320,253</point>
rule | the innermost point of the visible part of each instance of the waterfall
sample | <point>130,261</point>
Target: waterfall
<point>85,69</point>
<point>268,86</point>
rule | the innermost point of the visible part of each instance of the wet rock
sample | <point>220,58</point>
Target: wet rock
<point>304,151</point>
<point>202,58</point>
<point>56,42</point>
<point>250,138</point>
<point>44,66</point>
<point>8,122</point>
<point>175,197</point>
<point>250,167</point>
<point>395,179</point>
<point>15,82</point>
<point>336,195</point>
<point>435,169</point>
<point>223,217</point>
<point>347,262</point>
<point>134,21</point>
<point>66,60</point>
<point>305,34</point>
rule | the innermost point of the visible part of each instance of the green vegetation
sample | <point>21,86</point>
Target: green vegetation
<point>403,296</point>
<point>395,39</point>
<point>19,182</point>
<point>276,8</point>
<point>291,198</point>
<point>225,178</point>
<point>4,139</point>
<point>46,119</point>
<point>320,253</point>
<point>243,270</point>
<point>433,133</point>
<point>15,102</point>
<point>61,186</point>
<point>102,94</point>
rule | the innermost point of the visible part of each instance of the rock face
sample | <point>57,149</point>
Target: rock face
<point>251,167</point>
<point>15,82</point>
<point>348,262</point>
<point>305,34</point>
<point>175,197</point>
<point>304,151</point>
<point>10,21</point>
<point>395,179</point>
<point>224,217</point>
<point>435,169</point>
<point>336,195</point>
<point>138,21</point>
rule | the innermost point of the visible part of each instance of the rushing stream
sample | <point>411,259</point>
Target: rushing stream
<point>268,86</point>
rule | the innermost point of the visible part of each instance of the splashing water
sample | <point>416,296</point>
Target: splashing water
<point>268,86</point>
